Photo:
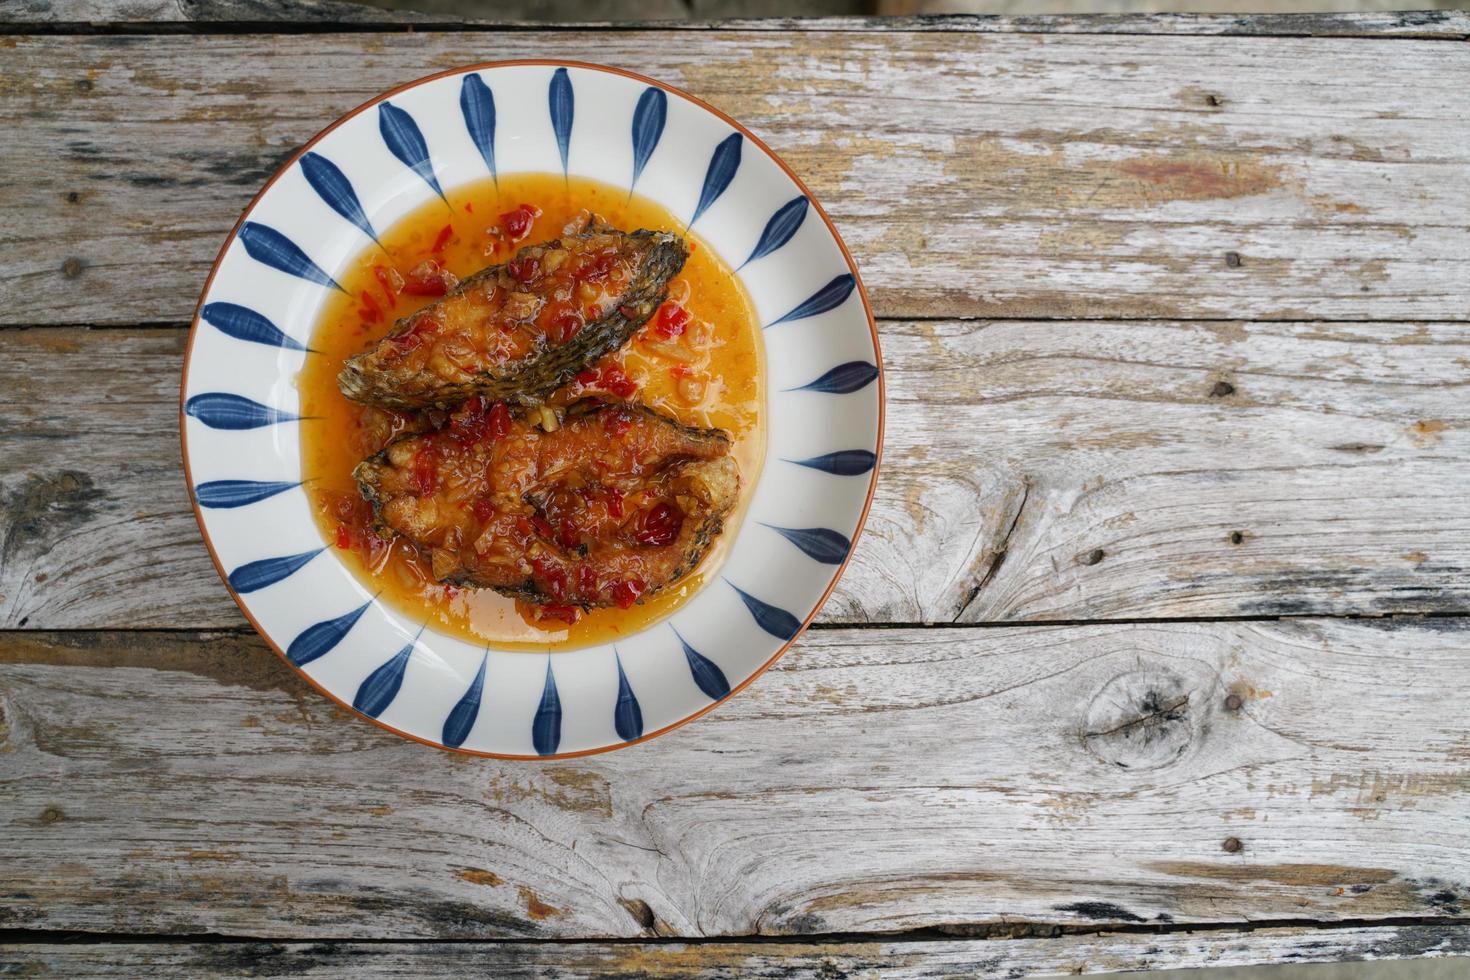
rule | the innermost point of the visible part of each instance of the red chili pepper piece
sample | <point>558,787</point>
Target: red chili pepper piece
<point>565,327</point>
<point>498,421</point>
<point>586,581</point>
<point>424,477</point>
<point>524,269</point>
<point>344,537</point>
<point>672,319</point>
<point>386,278</point>
<point>484,509</point>
<point>517,223</point>
<point>587,378</point>
<point>543,527</point>
<point>615,503</point>
<point>625,594</point>
<point>660,526</point>
<point>428,278</point>
<point>615,380</point>
<point>596,270</point>
<point>569,536</point>
<point>552,577</point>
<point>442,239</point>
<point>565,614</point>
<point>616,423</point>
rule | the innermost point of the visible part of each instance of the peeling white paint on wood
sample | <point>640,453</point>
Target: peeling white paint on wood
<point>877,779</point>
<point>972,174</point>
<point>1167,469</point>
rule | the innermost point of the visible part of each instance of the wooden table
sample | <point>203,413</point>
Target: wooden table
<point>1155,652</point>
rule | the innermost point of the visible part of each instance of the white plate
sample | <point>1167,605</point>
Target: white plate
<point>239,406</point>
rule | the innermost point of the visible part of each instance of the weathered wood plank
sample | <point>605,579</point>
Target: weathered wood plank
<point>285,15</point>
<point>1034,471</point>
<point>878,780</point>
<point>973,175</point>
<point>892,959</point>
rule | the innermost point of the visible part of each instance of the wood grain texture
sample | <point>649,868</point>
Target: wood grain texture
<point>188,783</point>
<point>287,15</point>
<point>891,959</point>
<point>972,174</point>
<point>1034,471</point>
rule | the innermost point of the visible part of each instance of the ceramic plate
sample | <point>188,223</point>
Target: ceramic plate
<point>241,425</point>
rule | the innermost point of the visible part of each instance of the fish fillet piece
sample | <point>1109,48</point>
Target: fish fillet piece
<point>615,503</point>
<point>518,331</point>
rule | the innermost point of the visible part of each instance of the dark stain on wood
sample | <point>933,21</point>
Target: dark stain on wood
<point>44,509</point>
<point>479,876</point>
<point>234,659</point>
<point>1100,911</point>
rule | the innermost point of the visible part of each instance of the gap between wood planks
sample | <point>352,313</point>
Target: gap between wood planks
<point>881,320</point>
<point>1435,25</point>
<point>1391,618</point>
<point>978,931</point>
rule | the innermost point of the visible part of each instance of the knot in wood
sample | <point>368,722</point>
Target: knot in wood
<point>1141,720</point>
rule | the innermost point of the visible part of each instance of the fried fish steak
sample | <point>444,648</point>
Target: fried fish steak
<point>517,331</point>
<point>615,503</point>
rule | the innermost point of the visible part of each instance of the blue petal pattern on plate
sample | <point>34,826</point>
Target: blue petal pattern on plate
<point>220,410</point>
<point>380,687</point>
<point>823,544</point>
<point>627,716</point>
<point>269,247</point>
<point>773,619</point>
<point>560,102</point>
<point>224,494</point>
<point>477,104</point>
<point>243,323</point>
<point>829,297</point>
<point>844,379</point>
<point>778,231</point>
<point>402,137</point>
<point>722,166</point>
<point>708,675</point>
<point>846,462</point>
<point>268,571</point>
<point>462,716</point>
<point>648,126</point>
<point>333,187</point>
<point>317,640</point>
<point>546,726</point>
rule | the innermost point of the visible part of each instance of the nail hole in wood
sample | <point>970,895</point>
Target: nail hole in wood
<point>1092,557</point>
<point>84,85</point>
<point>1231,845</point>
<point>1234,702</point>
<point>1237,537</point>
<point>1221,389</point>
<point>51,814</point>
<point>72,197</point>
<point>1232,259</point>
<point>1213,99</point>
<point>71,268</point>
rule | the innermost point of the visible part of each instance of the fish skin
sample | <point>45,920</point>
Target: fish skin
<point>371,377</point>
<point>698,459</point>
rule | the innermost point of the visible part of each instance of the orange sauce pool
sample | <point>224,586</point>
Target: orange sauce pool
<point>722,386</point>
